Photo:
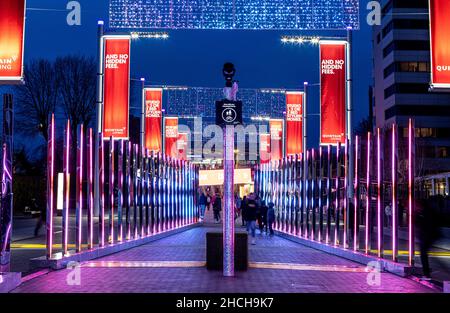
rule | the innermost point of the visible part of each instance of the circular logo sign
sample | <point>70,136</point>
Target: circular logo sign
<point>229,115</point>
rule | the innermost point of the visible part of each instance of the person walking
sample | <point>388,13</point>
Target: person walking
<point>202,204</point>
<point>271,217</point>
<point>263,217</point>
<point>244,205</point>
<point>427,231</point>
<point>237,205</point>
<point>217,207</point>
<point>208,201</point>
<point>250,217</point>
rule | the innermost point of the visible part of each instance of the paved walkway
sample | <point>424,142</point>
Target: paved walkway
<point>176,264</point>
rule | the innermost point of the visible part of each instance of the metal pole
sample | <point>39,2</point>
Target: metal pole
<point>380,214</point>
<point>142,137</point>
<point>305,148</point>
<point>111,190</point>
<point>98,120</point>
<point>65,212</point>
<point>356,198</point>
<point>394,195</point>
<point>411,190</point>
<point>349,113</point>
<point>79,188</point>
<point>228,225</point>
<point>50,184</point>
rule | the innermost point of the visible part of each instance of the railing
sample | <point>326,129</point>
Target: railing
<point>140,193</point>
<point>315,200</point>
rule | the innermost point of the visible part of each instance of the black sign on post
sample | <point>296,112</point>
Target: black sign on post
<point>228,112</point>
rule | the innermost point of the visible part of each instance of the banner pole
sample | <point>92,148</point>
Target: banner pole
<point>349,114</point>
<point>98,120</point>
<point>143,114</point>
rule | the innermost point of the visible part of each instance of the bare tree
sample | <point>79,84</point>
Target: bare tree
<point>36,99</point>
<point>76,77</point>
<point>363,127</point>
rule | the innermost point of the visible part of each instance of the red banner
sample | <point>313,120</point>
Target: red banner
<point>12,30</point>
<point>440,43</point>
<point>294,123</point>
<point>116,87</point>
<point>182,145</point>
<point>333,92</point>
<point>153,116</point>
<point>276,139</point>
<point>171,136</point>
<point>264,148</point>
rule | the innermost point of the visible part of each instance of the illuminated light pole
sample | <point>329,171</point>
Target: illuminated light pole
<point>411,185</point>
<point>329,195</point>
<point>394,194</point>
<point>229,114</point>
<point>367,213</point>
<point>111,190</point>
<point>79,188</point>
<point>380,214</point>
<point>356,197</point>
<point>50,184</point>
<point>101,185</point>
<point>65,213</point>
<point>90,191</point>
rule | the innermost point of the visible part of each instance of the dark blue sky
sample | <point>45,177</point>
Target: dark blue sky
<point>195,58</point>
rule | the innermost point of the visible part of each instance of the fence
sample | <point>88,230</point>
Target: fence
<point>373,214</point>
<point>140,193</point>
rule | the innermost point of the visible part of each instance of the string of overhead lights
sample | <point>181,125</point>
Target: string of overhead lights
<point>235,14</point>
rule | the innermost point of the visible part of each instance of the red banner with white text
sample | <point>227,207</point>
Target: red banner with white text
<point>171,136</point>
<point>153,118</point>
<point>294,123</point>
<point>264,148</point>
<point>333,92</point>
<point>276,139</point>
<point>182,145</point>
<point>440,43</point>
<point>116,87</point>
<point>12,30</point>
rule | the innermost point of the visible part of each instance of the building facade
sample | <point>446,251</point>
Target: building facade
<point>401,79</point>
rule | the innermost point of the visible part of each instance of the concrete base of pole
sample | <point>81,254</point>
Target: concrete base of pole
<point>402,270</point>
<point>58,262</point>
<point>9,281</point>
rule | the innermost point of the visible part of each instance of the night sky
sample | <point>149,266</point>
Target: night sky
<point>195,58</point>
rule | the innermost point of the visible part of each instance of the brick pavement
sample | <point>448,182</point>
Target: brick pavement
<point>190,246</point>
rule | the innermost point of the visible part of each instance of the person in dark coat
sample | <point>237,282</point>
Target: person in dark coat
<point>217,207</point>
<point>262,218</point>
<point>244,205</point>
<point>250,217</point>
<point>427,230</point>
<point>271,217</point>
<point>202,204</point>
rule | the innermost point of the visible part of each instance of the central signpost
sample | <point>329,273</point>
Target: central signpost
<point>228,115</point>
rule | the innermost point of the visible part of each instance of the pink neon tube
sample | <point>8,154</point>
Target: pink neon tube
<point>356,200</point>
<point>367,193</point>
<point>411,156</point>
<point>394,196</point>
<point>379,212</point>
